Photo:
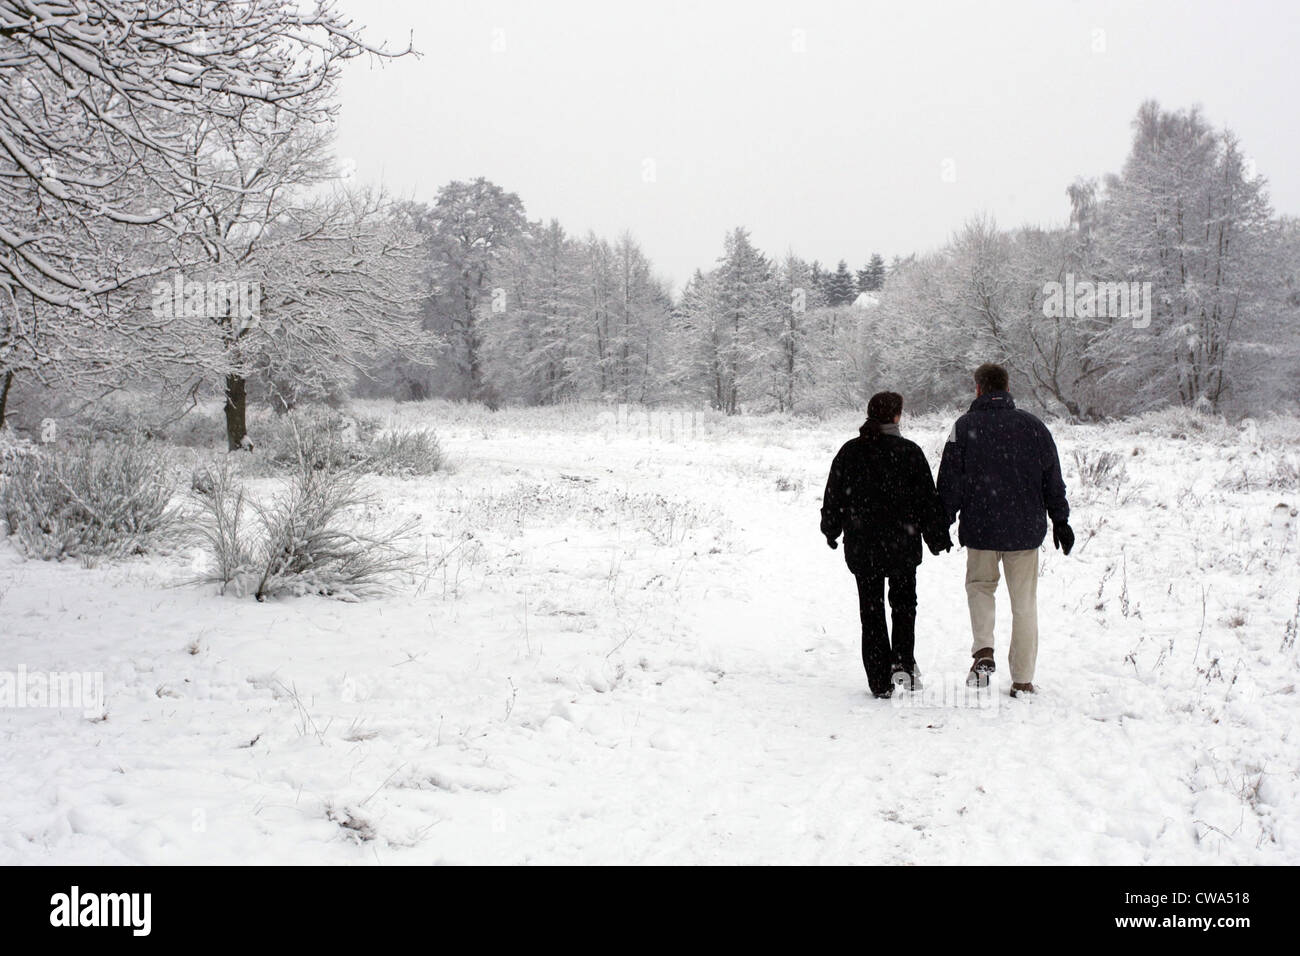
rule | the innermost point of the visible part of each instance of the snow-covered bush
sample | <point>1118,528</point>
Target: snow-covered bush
<point>317,437</point>
<point>332,440</point>
<point>401,452</point>
<point>88,499</point>
<point>120,417</point>
<point>1182,423</point>
<point>1097,468</point>
<point>308,538</point>
<point>1286,474</point>
<point>1282,474</point>
<point>13,449</point>
<point>115,416</point>
<point>197,429</point>
<point>220,524</point>
<point>310,544</point>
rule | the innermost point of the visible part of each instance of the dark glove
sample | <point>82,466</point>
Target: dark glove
<point>832,542</point>
<point>941,545</point>
<point>1062,536</point>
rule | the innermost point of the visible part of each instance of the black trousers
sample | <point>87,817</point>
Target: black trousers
<point>878,656</point>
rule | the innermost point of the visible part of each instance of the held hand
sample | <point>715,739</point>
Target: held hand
<point>1062,536</point>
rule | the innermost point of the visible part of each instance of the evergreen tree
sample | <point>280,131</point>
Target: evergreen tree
<point>641,308</point>
<point>841,288</point>
<point>552,363</point>
<point>872,279</point>
<point>695,343</point>
<point>744,301</point>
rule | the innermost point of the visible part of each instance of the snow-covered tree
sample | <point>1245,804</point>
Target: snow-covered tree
<point>744,302</point>
<point>552,363</point>
<point>340,287</point>
<point>841,286</point>
<point>787,353</point>
<point>101,103</point>
<point>638,326</point>
<point>872,278</point>
<point>695,356</point>
<point>473,224</point>
<point>1185,216</point>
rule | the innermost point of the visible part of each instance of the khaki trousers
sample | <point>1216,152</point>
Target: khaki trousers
<point>1021,569</point>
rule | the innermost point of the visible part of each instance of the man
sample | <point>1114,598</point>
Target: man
<point>1000,472</point>
<point>881,496</point>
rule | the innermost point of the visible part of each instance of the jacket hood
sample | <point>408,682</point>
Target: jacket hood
<point>994,400</point>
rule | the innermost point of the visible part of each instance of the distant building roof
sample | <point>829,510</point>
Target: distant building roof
<point>866,300</point>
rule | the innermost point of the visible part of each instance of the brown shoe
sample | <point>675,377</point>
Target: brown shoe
<point>1018,689</point>
<point>981,668</point>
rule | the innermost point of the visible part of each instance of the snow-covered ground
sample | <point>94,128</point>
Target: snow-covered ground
<point>637,648</point>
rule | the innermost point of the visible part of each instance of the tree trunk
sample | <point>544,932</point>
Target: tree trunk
<point>236,407</point>
<point>4,395</point>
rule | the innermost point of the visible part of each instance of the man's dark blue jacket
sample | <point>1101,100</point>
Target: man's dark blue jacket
<point>1000,472</point>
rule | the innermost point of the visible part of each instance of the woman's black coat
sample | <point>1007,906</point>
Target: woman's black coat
<point>881,496</point>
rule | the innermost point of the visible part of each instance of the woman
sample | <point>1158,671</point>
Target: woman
<point>881,497</point>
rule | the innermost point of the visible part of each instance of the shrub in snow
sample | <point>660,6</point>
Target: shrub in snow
<point>1280,475</point>
<point>197,429</point>
<point>1182,423</point>
<point>310,544</point>
<point>400,452</point>
<point>121,415</point>
<point>332,440</point>
<point>307,539</point>
<point>221,525</point>
<point>12,449</point>
<point>88,498</point>
<point>1098,469</point>
<point>126,416</point>
<point>1286,475</point>
<point>321,438</point>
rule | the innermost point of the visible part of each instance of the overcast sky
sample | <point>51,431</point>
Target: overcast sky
<point>831,129</point>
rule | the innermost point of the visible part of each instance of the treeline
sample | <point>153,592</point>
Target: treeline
<point>1172,282</point>
<point>196,239</point>
<point>527,314</point>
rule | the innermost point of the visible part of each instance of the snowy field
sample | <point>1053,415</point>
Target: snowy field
<point>633,647</point>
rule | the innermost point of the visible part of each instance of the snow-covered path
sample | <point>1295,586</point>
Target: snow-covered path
<point>783,755</point>
<point>634,650</point>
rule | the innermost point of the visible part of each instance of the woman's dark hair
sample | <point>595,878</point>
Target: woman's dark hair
<point>883,408</point>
